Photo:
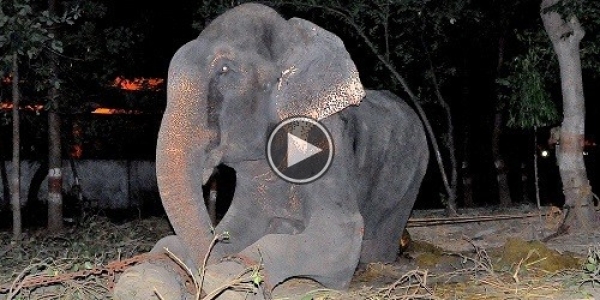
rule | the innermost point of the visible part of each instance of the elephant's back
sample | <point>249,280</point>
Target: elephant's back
<point>383,121</point>
<point>385,131</point>
<point>389,109</point>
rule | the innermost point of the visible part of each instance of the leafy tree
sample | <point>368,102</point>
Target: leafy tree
<point>93,56</point>
<point>529,104</point>
<point>98,50</point>
<point>26,34</point>
<point>561,19</point>
<point>526,95</point>
<point>82,65</point>
<point>501,17</point>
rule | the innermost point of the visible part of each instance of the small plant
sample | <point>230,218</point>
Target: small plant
<point>591,267</point>
<point>250,275</point>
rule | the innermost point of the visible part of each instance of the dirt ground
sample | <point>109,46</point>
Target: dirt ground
<point>521,222</point>
<point>484,253</point>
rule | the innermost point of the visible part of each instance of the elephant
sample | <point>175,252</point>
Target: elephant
<point>249,69</point>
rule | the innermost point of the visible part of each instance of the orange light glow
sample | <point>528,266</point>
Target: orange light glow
<point>114,111</point>
<point>76,151</point>
<point>138,84</point>
<point>9,106</point>
<point>100,110</point>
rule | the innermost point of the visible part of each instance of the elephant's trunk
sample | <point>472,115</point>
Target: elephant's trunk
<point>181,154</point>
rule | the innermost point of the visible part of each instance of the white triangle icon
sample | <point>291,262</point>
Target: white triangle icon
<point>299,150</point>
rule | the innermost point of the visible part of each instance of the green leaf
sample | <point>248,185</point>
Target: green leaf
<point>503,82</point>
<point>88,265</point>
<point>590,267</point>
<point>591,260</point>
<point>257,279</point>
<point>57,46</point>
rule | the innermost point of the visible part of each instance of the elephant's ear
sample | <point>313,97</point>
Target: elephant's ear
<point>318,78</point>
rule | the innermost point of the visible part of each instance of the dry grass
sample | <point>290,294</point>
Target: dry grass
<point>477,275</point>
<point>95,243</point>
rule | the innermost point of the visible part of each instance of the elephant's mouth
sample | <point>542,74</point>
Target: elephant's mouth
<point>218,192</point>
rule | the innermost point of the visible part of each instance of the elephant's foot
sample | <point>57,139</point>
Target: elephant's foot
<point>148,281</point>
<point>160,279</point>
<point>229,281</point>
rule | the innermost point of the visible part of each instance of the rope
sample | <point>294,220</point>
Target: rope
<point>39,280</point>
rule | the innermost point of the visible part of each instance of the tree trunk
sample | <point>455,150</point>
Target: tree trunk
<point>450,204</point>
<point>4,179</point>
<point>466,174</point>
<point>566,34</point>
<point>16,161</point>
<point>55,213</point>
<point>535,172</point>
<point>451,208</point>
<point>499,163</point>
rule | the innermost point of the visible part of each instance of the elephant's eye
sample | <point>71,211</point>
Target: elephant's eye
<point>224,69</point>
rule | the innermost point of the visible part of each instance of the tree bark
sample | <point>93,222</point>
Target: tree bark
<point>16,161</point>
<point>55,213</point>
<point>4,179</point>
<point>465,171</point>
<point>55,201</point>
<point>566,33</point>
<point>499,163</point>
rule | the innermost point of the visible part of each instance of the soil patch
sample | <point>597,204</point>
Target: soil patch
<point>485,253</point>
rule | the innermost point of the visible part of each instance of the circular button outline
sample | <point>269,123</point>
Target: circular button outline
<point>329,156</point>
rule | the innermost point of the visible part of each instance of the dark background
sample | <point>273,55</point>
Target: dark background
<point>167,25</point>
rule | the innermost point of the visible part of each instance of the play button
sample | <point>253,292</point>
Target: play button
<point>299,150</point>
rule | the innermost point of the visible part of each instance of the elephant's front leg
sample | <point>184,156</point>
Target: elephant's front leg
<point>328,250</point>
<point>312,230</point>
<point>253,213</point>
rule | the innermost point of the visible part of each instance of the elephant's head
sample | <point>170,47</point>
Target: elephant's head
<point>249,69</point>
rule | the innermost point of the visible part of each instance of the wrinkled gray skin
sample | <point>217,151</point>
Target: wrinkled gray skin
<point>248,70</point>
